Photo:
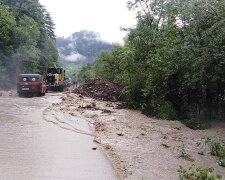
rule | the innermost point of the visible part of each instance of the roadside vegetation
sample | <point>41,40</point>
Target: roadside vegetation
<point>27,40</point>
<point>171,66</point>
<point>172,62</point>
<point>208,145</point>
<point>198,173</point>
<point>217,148</point>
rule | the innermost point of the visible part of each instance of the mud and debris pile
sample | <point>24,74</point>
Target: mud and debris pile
<point>101,89</point>
<point>8,93</point>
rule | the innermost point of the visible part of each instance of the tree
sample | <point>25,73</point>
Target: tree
<point>49,25</point>
<point>7,31</point>
<point>173,59</point>
<point>26,39</point>
<point>7,28</point>
<point>49,54</point>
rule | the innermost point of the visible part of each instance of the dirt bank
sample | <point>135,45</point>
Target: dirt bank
<point>141,147</point>
<point>101,89</point>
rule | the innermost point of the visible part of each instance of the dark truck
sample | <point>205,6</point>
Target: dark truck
<point>30,85</point>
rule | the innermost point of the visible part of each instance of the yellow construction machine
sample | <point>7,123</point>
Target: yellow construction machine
<point>55,78</point>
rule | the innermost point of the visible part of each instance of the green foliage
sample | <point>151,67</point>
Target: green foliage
<point>183,154</point>
<point>85,73</point>
<point>72,68</point>
<point>7,28</point>
<point>3,78</point>
<point>28,31</point>
<point>48,24</point>
<point>166,111</point>
<point>217,148</point>
<point>26,43</point>
<point>103,66</point>
<point>172,62</point>
<point>221,162</point>
<point>48,53</point>
<point>195,123</point>
<point>159,107</point>
<point>198,173</point>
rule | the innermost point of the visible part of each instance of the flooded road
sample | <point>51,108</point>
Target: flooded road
<point>37,146</point>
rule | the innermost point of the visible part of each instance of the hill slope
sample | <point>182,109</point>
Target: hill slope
<point>81,46</point>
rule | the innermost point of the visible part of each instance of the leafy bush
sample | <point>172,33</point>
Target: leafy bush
<point>198,173</point>
<point>166,111</point>
<point>160,108</point>
<point>221,162</point>
<point>217,148</point>
<point>183,154</point>
<point>195,124</point>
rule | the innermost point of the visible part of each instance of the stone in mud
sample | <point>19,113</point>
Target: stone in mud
<point>120,134</point>
<point>107,147</point>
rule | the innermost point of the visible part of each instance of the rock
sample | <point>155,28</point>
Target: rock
<point>99,126</point>
<point>63,98</point>
<point>177,128</point>
<point>97,141</point>
<point>120,134</point>
<point>107,147</point>
<point>165,145</point>
<point>201,153</point>
<point>106,111</point>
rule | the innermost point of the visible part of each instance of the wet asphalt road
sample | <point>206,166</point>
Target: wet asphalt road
<point>34,149</point>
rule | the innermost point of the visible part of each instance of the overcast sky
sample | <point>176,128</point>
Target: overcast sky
<point>103,16</point>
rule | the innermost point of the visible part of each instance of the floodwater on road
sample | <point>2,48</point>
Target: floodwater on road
<point>37,146</point>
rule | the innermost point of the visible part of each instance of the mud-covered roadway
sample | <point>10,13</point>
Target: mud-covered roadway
<point>69,136</point>
<point>39,143</point>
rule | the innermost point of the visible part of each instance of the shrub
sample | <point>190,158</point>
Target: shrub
<point>160,108</point>
<point>221,162</point>
<point>166,111</point>
<point>195,124</point>
<point>183,154</point>
<point>217,148</point>
<point>198,173</point>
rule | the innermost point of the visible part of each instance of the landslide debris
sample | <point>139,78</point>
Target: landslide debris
<point>100,89</point>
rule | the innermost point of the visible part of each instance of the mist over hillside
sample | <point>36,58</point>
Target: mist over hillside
<point>82,46</point>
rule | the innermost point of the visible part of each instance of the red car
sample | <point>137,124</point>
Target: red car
<point>30,84</point>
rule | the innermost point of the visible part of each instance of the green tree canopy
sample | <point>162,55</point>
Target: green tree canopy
<point>27,39</point>
<point>172,63</point>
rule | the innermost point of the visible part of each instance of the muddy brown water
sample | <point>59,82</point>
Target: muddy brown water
<point>32,148</point>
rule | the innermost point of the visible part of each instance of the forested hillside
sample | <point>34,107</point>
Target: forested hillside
<point>172,64</point>
<point>81,46</point>
<point>79,49</point>
<point>27,40</point>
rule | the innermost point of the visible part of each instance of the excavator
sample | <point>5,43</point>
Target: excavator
<point>55,79</point>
